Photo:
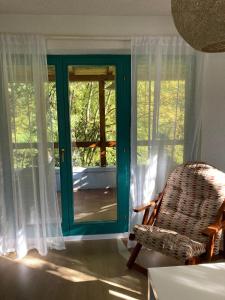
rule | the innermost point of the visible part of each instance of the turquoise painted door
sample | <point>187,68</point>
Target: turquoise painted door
<point>93,111</point>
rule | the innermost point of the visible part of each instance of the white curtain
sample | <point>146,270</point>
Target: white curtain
<point>29,214</point>
<point>166,113</point>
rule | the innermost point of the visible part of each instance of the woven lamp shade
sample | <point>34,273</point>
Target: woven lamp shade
<point>201,23</point>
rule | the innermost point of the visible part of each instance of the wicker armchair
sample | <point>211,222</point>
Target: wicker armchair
<point>187,219</point>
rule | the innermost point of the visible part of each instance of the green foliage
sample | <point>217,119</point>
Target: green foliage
<point>24,112</point>
<point>23,123</point>
<point>85,121</point>
<point>161,122</point>
<point>53,110</point>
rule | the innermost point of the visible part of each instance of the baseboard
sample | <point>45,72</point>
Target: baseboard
<point>96,237</point>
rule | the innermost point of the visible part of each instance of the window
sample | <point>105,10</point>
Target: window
<point>162,112</point>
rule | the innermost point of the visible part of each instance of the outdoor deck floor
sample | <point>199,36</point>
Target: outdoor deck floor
<point>95,205</point>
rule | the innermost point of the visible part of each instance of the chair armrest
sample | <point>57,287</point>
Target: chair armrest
<point>141,208</point>
<point>213,229</point>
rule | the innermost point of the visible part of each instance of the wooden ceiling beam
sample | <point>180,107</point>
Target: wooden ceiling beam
<point>72,78</point>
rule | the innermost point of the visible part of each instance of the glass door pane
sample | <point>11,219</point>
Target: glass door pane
<point>92,100</point>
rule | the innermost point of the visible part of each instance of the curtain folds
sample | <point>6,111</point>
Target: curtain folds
<point>29,213</point>
<point>166,119</point>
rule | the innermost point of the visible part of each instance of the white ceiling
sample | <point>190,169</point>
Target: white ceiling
<point>87,7</point>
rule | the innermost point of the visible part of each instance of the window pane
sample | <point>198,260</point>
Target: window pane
<point>171,112</point>
<point>110,111</point>
<point>175,154</point>
<point>53,111</point>
<point>23,122</point>
<point>145,100</point>
<point>111,156</point>
<point>93,129</point>
<point>85,157</point>
<point>24,158</point>
<point>84,111</point>
<point>142,154</point>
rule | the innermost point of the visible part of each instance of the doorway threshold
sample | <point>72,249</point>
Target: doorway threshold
<point>96,237</point>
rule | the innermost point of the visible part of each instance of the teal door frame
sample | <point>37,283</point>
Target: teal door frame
<point>123,95</point>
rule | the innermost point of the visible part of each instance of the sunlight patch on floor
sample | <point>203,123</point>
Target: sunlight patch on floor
<point>120,286</point>
<point>83,266</point>
<point>121,295</point>
<point>77,276</point>
<point>63,272</point>
<point>108,206</point>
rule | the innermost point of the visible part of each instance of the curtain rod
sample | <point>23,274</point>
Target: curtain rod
<point>94,38</point>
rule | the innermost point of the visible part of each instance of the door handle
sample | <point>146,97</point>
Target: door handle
<point>62,154</point>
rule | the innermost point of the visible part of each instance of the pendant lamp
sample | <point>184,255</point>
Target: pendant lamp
<point>201,23</point>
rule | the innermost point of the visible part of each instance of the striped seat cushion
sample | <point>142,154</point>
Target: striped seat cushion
<point>168,242</point>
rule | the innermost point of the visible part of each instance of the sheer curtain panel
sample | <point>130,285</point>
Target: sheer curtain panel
<point>166,106</point>
<point>29,214</point>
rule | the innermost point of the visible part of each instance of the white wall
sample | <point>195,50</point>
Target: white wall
<point>213,103</point>
<point>87,25</point>
<point>61,30</point>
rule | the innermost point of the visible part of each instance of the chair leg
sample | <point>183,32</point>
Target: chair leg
<point>131,236</point>
<point>210,249</point>
<point>134,255</point>
<point>224,242</point>
<point>192,261</point>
